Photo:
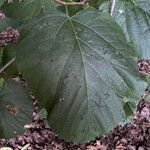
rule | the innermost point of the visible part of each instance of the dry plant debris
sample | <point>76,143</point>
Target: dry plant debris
<point>9,35</point>
<point>144,66</point>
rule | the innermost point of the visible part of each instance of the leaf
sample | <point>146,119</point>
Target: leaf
<point>51,5</point>
<point>27,8</point>
<point>1,2</point>
<point>138,23</point>
<point>4,23</point>
<point>143,4</point>
<point>9,54</point>
<point>15,109</point>
<point>96,3</point>
<point>1,82</point>
<point>129,107</point>
<point>7,22</point>
<point>80,68</point>
<point>134,18</point>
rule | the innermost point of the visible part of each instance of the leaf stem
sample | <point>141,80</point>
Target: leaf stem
<point>66,10</point>
<point>113,2</point>
<point>7,65</point>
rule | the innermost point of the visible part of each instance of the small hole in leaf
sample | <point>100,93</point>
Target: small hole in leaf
<point>12,109</point>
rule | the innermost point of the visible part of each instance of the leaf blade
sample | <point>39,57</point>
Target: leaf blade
<point>16,109</point>
<point>79,72</point>
<point>134,19</point>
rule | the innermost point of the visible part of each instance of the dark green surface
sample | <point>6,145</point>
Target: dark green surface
<point>27,8</point>
<point>134,18</point>
<point>14,96</point>
<point>81,69</point>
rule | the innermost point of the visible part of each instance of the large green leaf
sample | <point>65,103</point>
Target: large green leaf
<point>138,27</point>
<point>80,68</point>
<point>25,9</point>
<point>15,109</point>
<point>134,18</point>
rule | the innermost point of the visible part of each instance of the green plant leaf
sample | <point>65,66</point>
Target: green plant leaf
<point>7,55</point>
<point>1,82</point>
<point>138,23</point>
<point>1,2</point>
<point>27,8</point>
<point>96,3</point>
<point>134,18</point>
<point>7,22</point>
<point>143,4</point>
<point>80,68</point>
<point>4,23</point>
<point>15,109</point>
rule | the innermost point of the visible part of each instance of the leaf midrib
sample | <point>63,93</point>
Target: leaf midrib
<point>78,42</point>
<point>75,33</point>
